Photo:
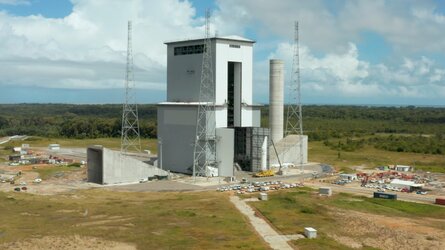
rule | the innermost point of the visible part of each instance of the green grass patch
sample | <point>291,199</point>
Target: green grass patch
<point>292,210</point>
<point>204,220</point>
<point>387,207</point>
<point>371,157</point>
<point>54,171</point>
<point>320,243</point>
<point>113,143</point>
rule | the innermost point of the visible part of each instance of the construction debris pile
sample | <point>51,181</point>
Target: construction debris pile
<point>392,181</point>
<point>25,156</point>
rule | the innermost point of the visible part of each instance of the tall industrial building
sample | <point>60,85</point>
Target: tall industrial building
<point>232,67</point>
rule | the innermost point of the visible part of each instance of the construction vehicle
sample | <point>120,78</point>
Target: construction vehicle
<point>265,173</point>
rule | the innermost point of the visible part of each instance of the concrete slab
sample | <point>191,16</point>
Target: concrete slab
<point>156,186</point>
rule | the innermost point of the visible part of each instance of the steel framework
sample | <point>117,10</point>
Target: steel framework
<point>204,154</point>
<point>294,120</point>
<point>130,136</point>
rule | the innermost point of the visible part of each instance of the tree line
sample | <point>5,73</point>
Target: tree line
<point>321,122</point>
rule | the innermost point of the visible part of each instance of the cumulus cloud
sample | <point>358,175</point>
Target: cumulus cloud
<point>345,75</point>
<point>87,48</point>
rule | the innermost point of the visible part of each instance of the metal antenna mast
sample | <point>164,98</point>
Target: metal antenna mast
<point>294,120</point>
<point>204,154</point>
<point>130,137</point>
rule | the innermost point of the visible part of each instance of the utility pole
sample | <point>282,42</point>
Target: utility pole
<point>204,154</point>
<point>130,137</point>
<point>294,120</point>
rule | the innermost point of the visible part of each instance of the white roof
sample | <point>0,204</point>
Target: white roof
<point>402,166</point>
<point>406,183</point>
<point>232,37</point>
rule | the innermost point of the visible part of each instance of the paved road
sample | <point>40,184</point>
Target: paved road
<point>15,137</point>
<point>158,186</point>
<point>275,240</point>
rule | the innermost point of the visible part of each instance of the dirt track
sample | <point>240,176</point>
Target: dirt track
<point>68,243</point>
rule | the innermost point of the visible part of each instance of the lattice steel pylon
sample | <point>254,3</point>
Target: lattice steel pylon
<point>130,136</point>
<point>294,119</point>
<point>204,154</point>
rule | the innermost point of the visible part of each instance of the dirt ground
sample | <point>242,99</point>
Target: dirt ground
<point>363,229</point>
<point>68,181</point>
<point>68,243</point>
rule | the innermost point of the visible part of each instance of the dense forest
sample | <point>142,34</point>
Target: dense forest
<point>72,121</point>
<point>321,122</point>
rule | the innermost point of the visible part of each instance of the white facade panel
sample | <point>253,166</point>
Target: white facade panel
<point>225,151</point>
<point>177,139</point>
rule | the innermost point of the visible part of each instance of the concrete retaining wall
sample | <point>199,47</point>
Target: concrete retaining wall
<point>289,150</point>
<point>106,166</point>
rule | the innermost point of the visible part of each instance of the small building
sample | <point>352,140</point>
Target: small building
<point>310,232</point>
<point>54,146</point>
<point>402,168</point>
<point>350,177</point>
<point>263,196</point>
<point>25,146</point>
<point>410,185</point>
<point>327,191</point>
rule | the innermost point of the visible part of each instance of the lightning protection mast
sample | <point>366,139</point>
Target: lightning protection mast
<point>204,154</point>
<point>130,137</point>
<point>294,120</point>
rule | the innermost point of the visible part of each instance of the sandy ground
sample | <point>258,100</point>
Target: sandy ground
<point>69,181</point>
<point>69,243</point>
<point>358,229</point>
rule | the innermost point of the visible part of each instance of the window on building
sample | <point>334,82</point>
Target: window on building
<point>234,46</point>
<point>189,50</point>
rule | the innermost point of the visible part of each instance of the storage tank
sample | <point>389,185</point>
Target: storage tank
<point>276,100</point>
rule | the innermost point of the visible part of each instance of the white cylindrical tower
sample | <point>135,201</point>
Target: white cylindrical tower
<point>276,103</point>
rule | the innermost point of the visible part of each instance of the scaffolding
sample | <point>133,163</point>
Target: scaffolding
<point>204,153</point>
<point>248,147</point>
<point>294,119</point>
<point>130,137</point>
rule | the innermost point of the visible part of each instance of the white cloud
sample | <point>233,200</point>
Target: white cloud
<point>87,48</point>
<point>328,26</point>
<point>345,75</point>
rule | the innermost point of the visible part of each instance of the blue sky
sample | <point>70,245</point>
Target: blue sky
<point>352,52</point>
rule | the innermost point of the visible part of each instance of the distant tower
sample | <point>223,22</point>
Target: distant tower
<point>130,137</point>
<point>294,120</point>
<point>204,154</point>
